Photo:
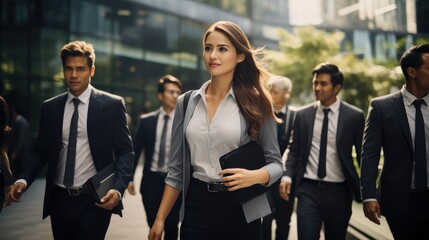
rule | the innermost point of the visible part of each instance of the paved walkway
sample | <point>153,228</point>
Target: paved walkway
<point>23,221</point>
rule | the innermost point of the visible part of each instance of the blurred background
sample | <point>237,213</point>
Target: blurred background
<point>137,41</point>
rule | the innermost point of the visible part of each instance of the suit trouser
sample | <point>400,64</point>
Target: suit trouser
<point>77,217</point>
<point>414,224</point>
<point>322,202</point>
<point>215,216</point>
<point>152,196</point>
<point>282,212</point>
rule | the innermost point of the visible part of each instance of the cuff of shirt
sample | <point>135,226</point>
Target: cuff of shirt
<point>370,200</point>
<point>286,179</point>
<point>22,181</point>
<point>120,195</point>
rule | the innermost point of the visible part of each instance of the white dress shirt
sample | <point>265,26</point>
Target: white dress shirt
<point>84,165</point>
<point>209,141</point>
<point>333,165</point>
<point>159,126</point>
<point>411,116</point>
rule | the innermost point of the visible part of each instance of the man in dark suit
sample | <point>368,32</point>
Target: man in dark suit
<point>150,137</point>
<point>280,89</point>
<point>320,157</point>
<point>80,132</point>
<point>399,123</point>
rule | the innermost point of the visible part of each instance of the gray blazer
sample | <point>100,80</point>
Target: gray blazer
<point>179,174</point>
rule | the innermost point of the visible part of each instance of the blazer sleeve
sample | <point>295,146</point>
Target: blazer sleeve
<point>123,148</point>
<point>268,141</point>
<point>293,155</point>
<point>371,147</point>
<point>176,162</point>
<point>138,144</point>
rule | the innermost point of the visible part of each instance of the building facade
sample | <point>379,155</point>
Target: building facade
<point>138,41</point>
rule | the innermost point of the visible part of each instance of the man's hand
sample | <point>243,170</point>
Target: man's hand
<point>109,201</point>
<point>131,188</point>
<point>284,190</point>
<point>15,192</point>
<point>372,211</point>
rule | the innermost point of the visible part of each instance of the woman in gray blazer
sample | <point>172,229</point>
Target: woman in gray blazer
<point>229,110</point>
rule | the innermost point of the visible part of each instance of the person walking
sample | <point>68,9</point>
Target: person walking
<point>398,123</point>
<point>154,138</point>
<point>228,111</point>
<point>320,157</point>
<point>80,132</point>
<point>280,89</point>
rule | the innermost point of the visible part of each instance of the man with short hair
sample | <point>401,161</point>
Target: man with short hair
<point>81,132</point>
<point>280,89</point>
<point>154,137</point>
<point>320,157</point>
<point>399,123</point>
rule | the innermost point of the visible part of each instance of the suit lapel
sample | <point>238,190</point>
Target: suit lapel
<point>94,108</point>
<point>151,138</point>
<point>399,110</point>
<point>342,116</point>
<point>311,117</point>
<point>58,122</point>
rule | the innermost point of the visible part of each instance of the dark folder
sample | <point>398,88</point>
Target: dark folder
<point>99,184</point>
<point>249,156</point>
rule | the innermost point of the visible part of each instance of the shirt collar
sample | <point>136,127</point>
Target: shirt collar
<point>282,110</point>
<point>162,113</point>
<point>334,107</point>
<point>84,97</point>
<point>410,98</point>
<point>202,90</point>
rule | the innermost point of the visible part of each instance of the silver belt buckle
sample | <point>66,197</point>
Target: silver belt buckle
<point>73,191</point>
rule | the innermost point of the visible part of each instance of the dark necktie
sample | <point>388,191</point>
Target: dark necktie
<point>161,157</point>
<point>420,148</point>
<point>71,151</point>
<point>321,170</point>
<point>280,127</point>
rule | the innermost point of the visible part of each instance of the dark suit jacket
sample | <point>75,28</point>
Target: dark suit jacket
<point>145,140</point>
<point>108,134</point>
<point>286,129</point>
<point>387,127</point>
<point>5,171</point>
<point>349,133</point>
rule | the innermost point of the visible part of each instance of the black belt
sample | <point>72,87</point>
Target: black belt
<point>211,186</point>
<point>71,191</point>
<point>322,183</point>
<point>160,174</point>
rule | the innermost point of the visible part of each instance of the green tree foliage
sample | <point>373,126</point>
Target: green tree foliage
<point>307,46</point>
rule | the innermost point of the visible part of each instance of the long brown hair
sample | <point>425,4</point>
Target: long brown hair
<point>253,99</point>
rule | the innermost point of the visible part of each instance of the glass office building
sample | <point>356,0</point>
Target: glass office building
<point>138,41</point>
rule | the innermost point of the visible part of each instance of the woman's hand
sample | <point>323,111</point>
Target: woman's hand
<point>156,231</point>
<point>236,178</point>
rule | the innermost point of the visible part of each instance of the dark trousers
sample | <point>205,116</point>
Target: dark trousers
<point>282,212</point>
<point>327,203</point>
<point>77,217</point>
<point>414,224</point>
<point>152,196</point>
<point>215,216</point>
